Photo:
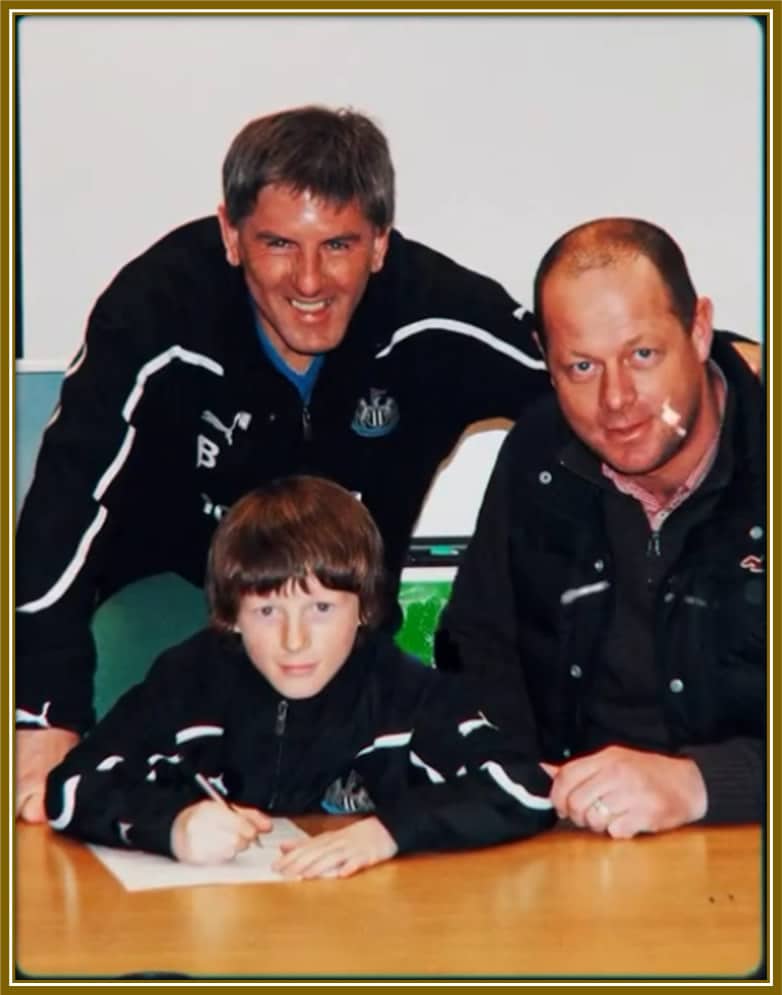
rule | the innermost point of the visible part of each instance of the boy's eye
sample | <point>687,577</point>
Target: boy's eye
<point>265,610</point>
<point>323,607</point>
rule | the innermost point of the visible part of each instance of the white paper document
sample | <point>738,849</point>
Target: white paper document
<point>138,871</point>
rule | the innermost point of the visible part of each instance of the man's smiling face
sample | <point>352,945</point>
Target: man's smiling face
<point>630,379</point>
<point>306,262</point>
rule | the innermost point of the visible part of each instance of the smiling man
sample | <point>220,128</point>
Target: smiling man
<point>612,600</point>
<point>306,262</point>
<point>297,331</point>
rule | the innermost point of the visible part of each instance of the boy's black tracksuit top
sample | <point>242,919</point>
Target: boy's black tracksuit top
<point>386,734</point>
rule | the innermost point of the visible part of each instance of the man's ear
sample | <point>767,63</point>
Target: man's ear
<point>542,351</point>
<point>379,248</point>
<point>230,236</point>
<point>702,328</point>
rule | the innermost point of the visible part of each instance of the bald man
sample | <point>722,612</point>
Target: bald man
<point>612,600</point>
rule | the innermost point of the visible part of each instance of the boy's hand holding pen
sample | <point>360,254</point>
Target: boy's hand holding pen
<point>215,830</point>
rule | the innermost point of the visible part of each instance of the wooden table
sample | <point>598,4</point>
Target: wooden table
<point>567,903</point>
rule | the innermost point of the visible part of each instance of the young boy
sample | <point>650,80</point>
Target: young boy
<point>290,702</point>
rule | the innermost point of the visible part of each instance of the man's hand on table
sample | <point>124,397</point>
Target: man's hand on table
<point>37,752</point>
<point>624,792</point>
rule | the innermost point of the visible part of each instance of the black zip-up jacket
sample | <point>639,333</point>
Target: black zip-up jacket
<point>532,603</point>
<point>171,411</point>
<point>386,734</point>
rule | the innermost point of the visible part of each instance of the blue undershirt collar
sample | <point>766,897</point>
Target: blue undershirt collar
<point>303,382</point>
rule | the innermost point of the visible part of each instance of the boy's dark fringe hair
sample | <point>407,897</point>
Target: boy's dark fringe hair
<point>286,531</point>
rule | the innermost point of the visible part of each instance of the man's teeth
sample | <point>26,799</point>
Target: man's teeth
<point>308,306</point>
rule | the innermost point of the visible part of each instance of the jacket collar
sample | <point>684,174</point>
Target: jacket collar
<point>338,697</point>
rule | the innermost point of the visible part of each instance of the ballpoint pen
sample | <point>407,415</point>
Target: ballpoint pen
<point>209,789</point>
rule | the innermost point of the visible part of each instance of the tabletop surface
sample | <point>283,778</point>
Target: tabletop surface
<point>567,903</point>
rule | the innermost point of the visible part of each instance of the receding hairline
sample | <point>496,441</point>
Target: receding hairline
<point>596,245</point>
<point>611,242</point>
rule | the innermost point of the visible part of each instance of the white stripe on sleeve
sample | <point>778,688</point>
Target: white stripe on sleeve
<point>461,328</point>
<point>195,732</point>
<point>157,363</point>
<point>60,586</point>
<point>176,352</point>
<point>385,742</point>
<point>500,776</point>
<point>109,763</point>
<point>171,758</point>
<point>68,804</point>
<point>434,775</point>
<point>116,464</point>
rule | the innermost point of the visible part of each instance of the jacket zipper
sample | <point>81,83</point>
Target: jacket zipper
<point>279,732</point>
<point>653,546</point>
<point>306,423</point>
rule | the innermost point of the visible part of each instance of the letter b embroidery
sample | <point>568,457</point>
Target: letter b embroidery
<point>207,452</point>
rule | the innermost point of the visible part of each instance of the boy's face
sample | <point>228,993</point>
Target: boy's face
<point>299,640</point>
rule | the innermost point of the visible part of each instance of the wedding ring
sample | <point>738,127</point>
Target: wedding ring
<point>601,808</point>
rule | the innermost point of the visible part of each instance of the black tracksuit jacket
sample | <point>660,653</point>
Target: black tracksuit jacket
<point>171,411</point>
<point>390,731</point>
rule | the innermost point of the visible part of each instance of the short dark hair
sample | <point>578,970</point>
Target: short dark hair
<point>604,241</point>
<point>286,531</point>
<point>337,155</point>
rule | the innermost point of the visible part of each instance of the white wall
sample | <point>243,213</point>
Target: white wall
<point>505,132</point>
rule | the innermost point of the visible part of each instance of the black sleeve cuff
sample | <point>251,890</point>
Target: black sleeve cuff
<point>734,775</point>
